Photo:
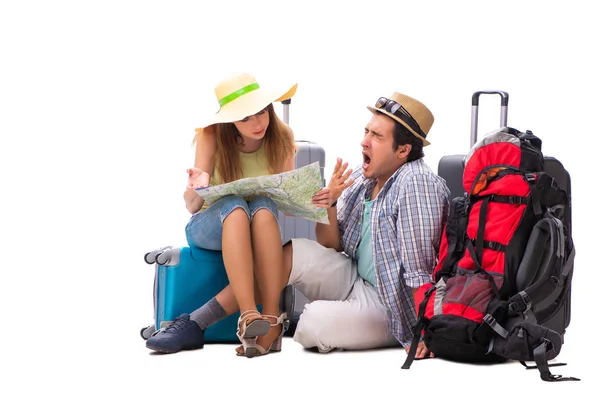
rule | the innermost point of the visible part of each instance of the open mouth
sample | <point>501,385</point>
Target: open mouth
<point>366,161</point>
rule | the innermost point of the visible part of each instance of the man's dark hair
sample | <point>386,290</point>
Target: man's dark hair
<point>403,136</point>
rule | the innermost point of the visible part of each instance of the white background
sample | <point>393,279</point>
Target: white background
<point>98,105</point>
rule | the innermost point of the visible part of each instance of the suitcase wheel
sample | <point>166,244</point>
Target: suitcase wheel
<point>163,257</point>
<point>149,258</point>
<point>154,256</point>
<point>146,332</point>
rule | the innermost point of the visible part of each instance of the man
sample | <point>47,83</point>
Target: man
<point>386,221</point>
<point>387,217</point>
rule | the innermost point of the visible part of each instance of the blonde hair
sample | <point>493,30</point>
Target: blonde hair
<point>278,143</point>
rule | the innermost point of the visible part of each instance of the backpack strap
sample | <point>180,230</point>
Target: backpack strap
<point>546,194</point>
<point>481,231</point>
<point>509,199</point>
<point>421,322</point>
<point>456,230</point>
<point>541,363</point>
<point>548,200</point>
<point>477,253</point>
<point>493,245</point>
<point>556,267</point>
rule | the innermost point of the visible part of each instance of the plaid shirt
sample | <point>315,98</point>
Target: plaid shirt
<point>407,220</point>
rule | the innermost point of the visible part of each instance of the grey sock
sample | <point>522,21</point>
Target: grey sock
<point>208,314</point>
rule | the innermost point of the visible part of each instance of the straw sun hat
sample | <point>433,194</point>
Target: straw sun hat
<point>240,96</point>
<point>411,113</point>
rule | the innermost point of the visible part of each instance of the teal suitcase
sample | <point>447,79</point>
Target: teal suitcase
<point>185,279</point>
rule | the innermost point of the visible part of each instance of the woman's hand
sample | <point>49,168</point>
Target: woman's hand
<point>197,178</point>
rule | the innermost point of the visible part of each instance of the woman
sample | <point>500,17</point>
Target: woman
<point>244,139</point>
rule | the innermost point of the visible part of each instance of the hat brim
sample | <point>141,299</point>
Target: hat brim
<point>392,116</point>
<point>249,104</point>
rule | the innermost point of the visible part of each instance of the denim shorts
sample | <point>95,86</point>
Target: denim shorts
<point>205,228</point>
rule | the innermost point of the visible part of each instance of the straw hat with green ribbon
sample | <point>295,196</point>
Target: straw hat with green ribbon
<point>241,96</point>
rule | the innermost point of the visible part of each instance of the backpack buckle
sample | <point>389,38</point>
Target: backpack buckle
<point>530,177</point>
<point>522,303</point>
<point>517,199</point>
<point>491,321</point>
<point>526,300</point>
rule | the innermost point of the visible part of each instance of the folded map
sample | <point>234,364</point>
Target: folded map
<point>291,191</point>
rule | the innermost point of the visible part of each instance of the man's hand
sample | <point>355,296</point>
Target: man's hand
<point>325,197</point>
<point>322,198</point>
<point>197,178</point>
<point>422,351</point>
<point>339,179</point>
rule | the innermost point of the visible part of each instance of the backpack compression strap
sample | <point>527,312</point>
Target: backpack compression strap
<point>456,230</point>
<point>418,328</point>
<point>476,256</point>
<point>539,355</point>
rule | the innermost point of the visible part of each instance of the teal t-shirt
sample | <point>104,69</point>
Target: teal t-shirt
<point>364,252</point>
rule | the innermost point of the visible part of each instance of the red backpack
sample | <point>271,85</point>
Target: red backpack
<point>505,262</point>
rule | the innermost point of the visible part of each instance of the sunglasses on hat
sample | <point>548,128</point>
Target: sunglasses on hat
<point>397,110</point>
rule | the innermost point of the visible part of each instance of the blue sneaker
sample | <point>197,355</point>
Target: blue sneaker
<point>182,334</point>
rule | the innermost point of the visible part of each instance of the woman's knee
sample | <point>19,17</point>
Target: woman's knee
<point>205,228</point>
<point>234,206</point>
<point>264,206</point>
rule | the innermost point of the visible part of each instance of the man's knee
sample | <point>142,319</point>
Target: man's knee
<point>318,272</point>
<point>330,325</point>
<point>315,325</point>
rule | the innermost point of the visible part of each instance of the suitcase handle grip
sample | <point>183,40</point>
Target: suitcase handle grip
<point>475,98</point>
<point>286,110</point>
<point>475,111</point>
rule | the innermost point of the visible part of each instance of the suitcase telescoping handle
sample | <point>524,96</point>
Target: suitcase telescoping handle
<point>286,110</point>
<point>475,111</point>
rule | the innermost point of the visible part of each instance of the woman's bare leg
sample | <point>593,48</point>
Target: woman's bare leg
<point>227,300</point>
<point>238,260</point>
<point>268,256</point>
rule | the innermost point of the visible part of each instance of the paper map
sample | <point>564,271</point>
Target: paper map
<point>291,191</point>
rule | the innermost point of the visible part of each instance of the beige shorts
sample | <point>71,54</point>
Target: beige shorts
<point>344,310</point>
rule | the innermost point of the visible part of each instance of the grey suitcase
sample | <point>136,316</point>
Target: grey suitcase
<point>292,299</point>
<point>296,227</point>
<point>451,169</point>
